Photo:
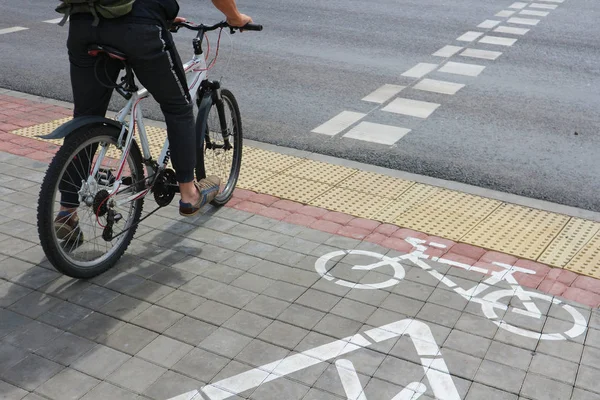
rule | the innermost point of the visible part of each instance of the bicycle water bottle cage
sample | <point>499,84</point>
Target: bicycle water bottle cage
<point>127,85</point>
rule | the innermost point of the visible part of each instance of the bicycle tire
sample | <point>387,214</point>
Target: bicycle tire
<point>203,167</point>
<point>51,244</point>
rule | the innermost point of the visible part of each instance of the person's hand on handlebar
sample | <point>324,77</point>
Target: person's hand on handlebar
<point>234,17</point>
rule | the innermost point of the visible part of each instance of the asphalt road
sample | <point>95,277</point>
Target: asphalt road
<point>528,124</point>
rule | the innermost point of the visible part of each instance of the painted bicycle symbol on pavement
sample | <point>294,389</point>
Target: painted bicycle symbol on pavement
<point>489,302</point>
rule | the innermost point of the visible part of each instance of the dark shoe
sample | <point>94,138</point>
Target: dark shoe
<point>208,188</point>
<point>66,226</point>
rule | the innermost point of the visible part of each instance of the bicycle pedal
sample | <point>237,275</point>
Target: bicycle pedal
<point>127,181</point>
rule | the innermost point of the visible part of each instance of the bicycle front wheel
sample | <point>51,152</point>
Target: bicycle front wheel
<point>221,153</point>
<point>74,211</point>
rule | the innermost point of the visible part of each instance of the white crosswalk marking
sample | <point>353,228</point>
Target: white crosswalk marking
<point>497,40</point>
<point>535,13</point>
<point>11,30</point>
<point>518,5</point>
<point>462,69</point>
<point>523,21</point>
<point>420,70</point>
<point>505,13</point>
<point>383,94</point>
<point>447,51</point>
<point>554,1</point>
<point>488,24</point>
<point>469,36</point>
<point>443,87</point>
<point>511,30</point>
<point>413,108</point>
<point>338,123</point>
<point>543,6</point>
<point>377,133</point>
<point>483,54</point>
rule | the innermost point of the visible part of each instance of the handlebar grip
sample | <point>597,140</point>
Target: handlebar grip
<point>252,27</point>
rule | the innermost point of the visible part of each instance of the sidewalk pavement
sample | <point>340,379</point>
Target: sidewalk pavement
<point>259,300</point>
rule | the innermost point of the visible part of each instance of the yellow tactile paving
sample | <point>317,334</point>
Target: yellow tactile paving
<point>550,238</point>
<point>569,242</point>
<point>587,261</point>
<point>516,230</point>
<point>448,214</point>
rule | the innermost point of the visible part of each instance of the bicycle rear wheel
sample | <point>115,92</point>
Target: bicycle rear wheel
<point>87,250</point>
<point>221,151</point>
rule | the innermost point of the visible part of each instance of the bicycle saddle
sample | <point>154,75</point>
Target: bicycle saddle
<point>95,49</point>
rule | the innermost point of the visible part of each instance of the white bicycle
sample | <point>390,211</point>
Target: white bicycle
<point>489,302</point>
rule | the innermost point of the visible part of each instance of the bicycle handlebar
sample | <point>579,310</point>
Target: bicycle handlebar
<point>205,28</point>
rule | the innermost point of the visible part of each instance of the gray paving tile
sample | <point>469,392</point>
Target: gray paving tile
<point>202,286</point>
<point>11,293</point>
<point>353,310</point>
<point>173,277</point>
<point>213,312</point>
<point>129,339</point>
<point>299,315</point>
<point>11,267</point>
<point>566,350</point>
<point>11,321</point>
<point>13,246</point>
<point>439,314</point>
<point>318,394</point>
<point>64,315</point>
<point>287,228</point>
<point>461,364</point>
<point>68,384</point>
<point>232,296</point>
<point>222,224</point>
<point>266,306</point>
<point>447,298</point>
<point>136,375</point>
<point>538,387</point>
<point>247,323</point>
<point>149,291</point>
<point>31,372</point>
<point>479,391</point>
<point>122,282</point>
<point>211,253</point>
<point>314,236</point>
<point>590,357</point>
<point>587,379</point>
<point>285,256</point>
<point>171,384</point>
<point>580,394</point>
<point>65,349</point>
<point>242,261</point>
<point>280,388</point>
<point>10,392</point>
<point>65,287</point>
<point>318,300</point>
<point>285,291</point>
<point>100,361</point>
<point>258,353</point>
<point>300,245</point>
<point>371,297</point>
<point>192,265</point>
<point>257,249</point>
<point>342,242</point>
<point>35,277</point>
<point>593,338</point>
<point>222,273</point>
<point>10,355</point>
<point>34,304</point>
<point>405,305</point>
<point>382,316</point>
<point>510,338</point>
<point>225,342</point>
<point>261,222</point>
<point>479,325</point>
<point>330,382</point>
<point>164,351</point>
<point>32,336</point>
<point>107,391</point>
<point>201,364</point>
<point>554,368</point>
<point>157,318</point>
<point>509,355</point>
<point>298,276</point>
<point>96,327</point>
<point>282,334</point>
<point>366,361</point>
<point>125,308</point>
<point>337,326</point>
<point>252,282</point>
<point>512,378</point>
<point>94,297</point>
<point>190,330</point>
<point>468,343</point>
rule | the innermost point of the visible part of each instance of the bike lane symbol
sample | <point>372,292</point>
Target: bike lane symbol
<point>434,366</point>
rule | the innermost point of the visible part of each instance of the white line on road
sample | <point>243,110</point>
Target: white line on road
<point>53,21</point>
<point>469,36</point>
<point>554,1</point>
<point>484,54</point>
<point>338,123</point>
<point>413,108</point>
<point>383,94</point>
<point>505,13</point>
<point>534,13</point>
<point>523,21</point>
<point>11,30</point>
<point>543,6</point>
<point>377,133</point>
<point>462,69</point>
<point>518,5</point>
<point>420,70</point>
<point>443,87</point>
<point>488,24</point>
<point>447,51</point>
<point>497,40</point>
<point>511,30</point>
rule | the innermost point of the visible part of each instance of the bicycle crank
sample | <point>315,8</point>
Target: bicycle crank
<point>111,219</point>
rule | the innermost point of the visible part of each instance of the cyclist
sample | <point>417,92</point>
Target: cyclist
<point>143,35</point>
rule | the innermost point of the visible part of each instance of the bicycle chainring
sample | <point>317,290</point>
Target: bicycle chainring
<point>164,188</point>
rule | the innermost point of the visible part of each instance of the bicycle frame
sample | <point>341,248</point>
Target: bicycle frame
<point>196,73</point>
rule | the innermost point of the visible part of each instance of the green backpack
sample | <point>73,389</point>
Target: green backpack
<point>103,8</point>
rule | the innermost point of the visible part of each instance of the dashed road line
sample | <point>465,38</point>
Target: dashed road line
<point>383,94</point>
<point>436,86</point>
<point>543,6</point>
<point>413,108</point>
<point>505,13</point>
<point>420,70</point>
<point>465,69</point>
<point>340,122</point>
<point>469,36</point>
<point>377,133</point>
<point>534,13</point>
<point>13,29</point>
<point>511,30</point>
<point>447,51</point>
<point>488,24</point>
<point>497,40</point>
<point>483,54</point>
<point>523,21</point>
<point>518,5</point>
